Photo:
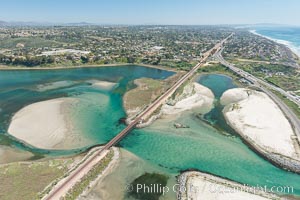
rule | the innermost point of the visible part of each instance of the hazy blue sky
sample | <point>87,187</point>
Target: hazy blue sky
<point>153,11</point>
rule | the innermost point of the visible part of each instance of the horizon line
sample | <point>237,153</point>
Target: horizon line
<point>28,23</point>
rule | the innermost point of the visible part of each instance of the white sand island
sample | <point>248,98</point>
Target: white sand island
<point>46,125</point>
<point>198,186</point>
<point>194,96</point>
<point>256,117</point>
<point>54,85</point>
<point>104,85</point>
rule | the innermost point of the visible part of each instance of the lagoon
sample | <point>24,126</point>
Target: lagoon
<point>161,147</point>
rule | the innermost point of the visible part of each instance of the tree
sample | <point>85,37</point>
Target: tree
<point>130,60</point>
<point>84,59</point>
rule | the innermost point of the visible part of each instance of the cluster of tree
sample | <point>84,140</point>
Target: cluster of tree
<point>29,61</point>
<point>151,60</point>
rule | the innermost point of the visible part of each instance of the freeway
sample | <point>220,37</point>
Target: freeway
<point>62,188</point>
<point>294,120</point>
<point>252,78</point>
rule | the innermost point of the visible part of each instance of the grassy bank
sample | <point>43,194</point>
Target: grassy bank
<point>147,91</point>
<point>24,180</point>
<point>285,77</point>
<point>294,107</point>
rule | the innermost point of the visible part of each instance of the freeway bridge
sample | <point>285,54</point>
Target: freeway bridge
<point>66,184</point>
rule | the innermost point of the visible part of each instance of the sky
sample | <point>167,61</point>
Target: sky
<point>185,12</point>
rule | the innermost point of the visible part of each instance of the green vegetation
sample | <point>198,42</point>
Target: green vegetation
<point>151,83</point>
<point>180,90</point>
<point>181,65</point>
<point>294,107</point>
<point>280,75</point>
<point>28,42</point>
<point>27,179</point>
<point>28,61</point>
<point>212,68</point>
<point>287,83</point>
<point>79,187</point>
<point>150,89</point>
<point>148,180</point>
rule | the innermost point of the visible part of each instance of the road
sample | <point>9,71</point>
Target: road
<point>64,185</point>
<point>60,189</point>
<point>294,120</point>
<point>258,80</point>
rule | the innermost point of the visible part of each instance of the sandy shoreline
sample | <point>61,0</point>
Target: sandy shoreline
<point>197,185</point>
<point>46,125</point>
<point>262,125</point>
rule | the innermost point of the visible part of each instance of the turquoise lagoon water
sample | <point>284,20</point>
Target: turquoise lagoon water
<point>204,148</point>
<point>98,112</point>
<point>201,147</point>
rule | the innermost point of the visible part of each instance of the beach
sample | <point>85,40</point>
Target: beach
<point>46,125</point>
<point>194,97</point>
<point>256,116</point>
<point>261,123</point>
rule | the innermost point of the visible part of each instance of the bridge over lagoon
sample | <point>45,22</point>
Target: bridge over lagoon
<point>63,186</point>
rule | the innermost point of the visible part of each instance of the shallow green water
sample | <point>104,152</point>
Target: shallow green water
<point>204,148</point>
<point>172,150</point>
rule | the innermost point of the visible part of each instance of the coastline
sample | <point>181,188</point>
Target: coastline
<point>7,68</point>
<point>288,44</point>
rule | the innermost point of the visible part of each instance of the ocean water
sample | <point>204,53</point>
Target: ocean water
<point>161,147</point>
<point>289,36</point>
